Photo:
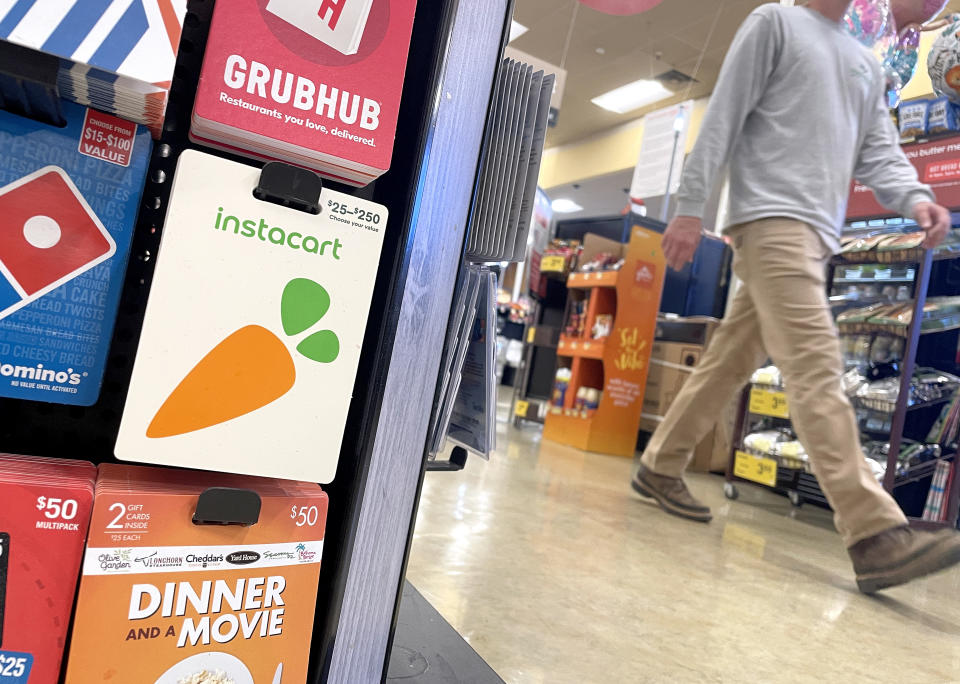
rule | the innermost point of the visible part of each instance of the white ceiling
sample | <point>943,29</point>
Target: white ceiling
<point>599,196</point>
<point>672,35</point>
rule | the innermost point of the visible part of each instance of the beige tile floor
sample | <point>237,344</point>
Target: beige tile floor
<point>555,572</point>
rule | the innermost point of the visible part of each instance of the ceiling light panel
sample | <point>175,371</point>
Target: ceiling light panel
<point>632,96</point>
<point>564,205</point>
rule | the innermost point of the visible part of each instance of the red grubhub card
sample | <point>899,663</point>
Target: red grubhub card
<point>49,234</point>
<point>324,75</point>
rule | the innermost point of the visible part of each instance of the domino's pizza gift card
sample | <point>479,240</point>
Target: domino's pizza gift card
<point>68,203</point>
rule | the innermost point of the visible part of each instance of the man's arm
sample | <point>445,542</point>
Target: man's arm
<point>750,61</point>
<point>883,167</point>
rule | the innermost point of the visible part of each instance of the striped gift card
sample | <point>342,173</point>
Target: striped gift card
<point>134,38</point>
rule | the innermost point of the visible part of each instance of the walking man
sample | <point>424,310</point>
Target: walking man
<point>798,110</point>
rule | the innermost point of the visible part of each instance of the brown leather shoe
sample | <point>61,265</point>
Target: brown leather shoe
<point>671,493</point>
<point>902,554</point>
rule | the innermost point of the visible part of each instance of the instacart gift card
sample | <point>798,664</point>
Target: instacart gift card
<point>253,329</point>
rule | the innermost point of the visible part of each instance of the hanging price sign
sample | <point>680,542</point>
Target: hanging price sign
<point>768,403</point>
<point>755,468</point>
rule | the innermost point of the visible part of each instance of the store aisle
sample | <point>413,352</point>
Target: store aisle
<point>551,568</point>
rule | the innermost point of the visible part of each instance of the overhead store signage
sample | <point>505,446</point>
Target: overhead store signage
<point>937,163</point>
<point>664,145</point>
<point>253,328</point>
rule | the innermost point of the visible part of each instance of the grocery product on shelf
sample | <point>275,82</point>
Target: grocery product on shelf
<point>602,262</point>
<point>927,385</point>
<point>560,385</point>
<point>46,506</point>
<point>602,326</point>
<point>768,375</point>
<point>318,84</point>
<point>70,197</point>
<point>577,320</point>
<point>163,598</point>
<point>117,57</point>
<point>913,118</point>
<point>934,508</point>
<point>942,116</point>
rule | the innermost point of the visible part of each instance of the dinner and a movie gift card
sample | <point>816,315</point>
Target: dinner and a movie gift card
<point>164,600</point>
<point>69,198</point>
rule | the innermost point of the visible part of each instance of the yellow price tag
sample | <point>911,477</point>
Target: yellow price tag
<point>768,403</point>
<point>531,333</point>
<point>755,468</point>
<point>520,408</point>
<point>554,263</point>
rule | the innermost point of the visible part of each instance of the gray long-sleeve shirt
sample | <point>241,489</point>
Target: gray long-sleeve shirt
<point>797,112</point>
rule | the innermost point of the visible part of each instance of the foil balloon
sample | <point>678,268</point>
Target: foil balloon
<point>943,62</point>
<point>869,20</point>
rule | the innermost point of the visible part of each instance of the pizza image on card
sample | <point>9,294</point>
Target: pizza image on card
<point>49,236</point>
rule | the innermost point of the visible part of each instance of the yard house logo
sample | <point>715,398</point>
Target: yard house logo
<point>249,369</point>
<point>337,23</point>
<point>243,557</point>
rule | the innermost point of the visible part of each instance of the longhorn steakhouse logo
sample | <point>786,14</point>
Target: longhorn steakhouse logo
<point>337,23</point>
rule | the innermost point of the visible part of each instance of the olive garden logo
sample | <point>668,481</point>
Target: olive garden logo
<point>249,369</point>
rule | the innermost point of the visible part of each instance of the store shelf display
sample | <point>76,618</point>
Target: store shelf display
<point>907,414</point>
<point>604,353</point>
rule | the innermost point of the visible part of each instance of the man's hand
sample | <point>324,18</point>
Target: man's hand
<point>934,220</point>
<point>681,239</point>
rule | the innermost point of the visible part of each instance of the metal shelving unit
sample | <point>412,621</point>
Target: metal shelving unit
<point>794,478</point>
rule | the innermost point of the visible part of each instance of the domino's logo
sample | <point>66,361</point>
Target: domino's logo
<point>49,235</point>
<point>337,23</point>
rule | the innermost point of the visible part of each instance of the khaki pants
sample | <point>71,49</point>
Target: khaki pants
<point>782,310</point>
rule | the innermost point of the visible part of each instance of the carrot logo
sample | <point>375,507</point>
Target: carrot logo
<point>250,368</point>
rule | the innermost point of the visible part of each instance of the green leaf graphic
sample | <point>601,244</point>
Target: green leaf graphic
<point>304,302</point>
<point>323,346</point>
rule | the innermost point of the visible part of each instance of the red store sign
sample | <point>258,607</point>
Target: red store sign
<point>938,164</point>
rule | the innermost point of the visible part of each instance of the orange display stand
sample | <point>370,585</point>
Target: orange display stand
<point>618,364</point>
